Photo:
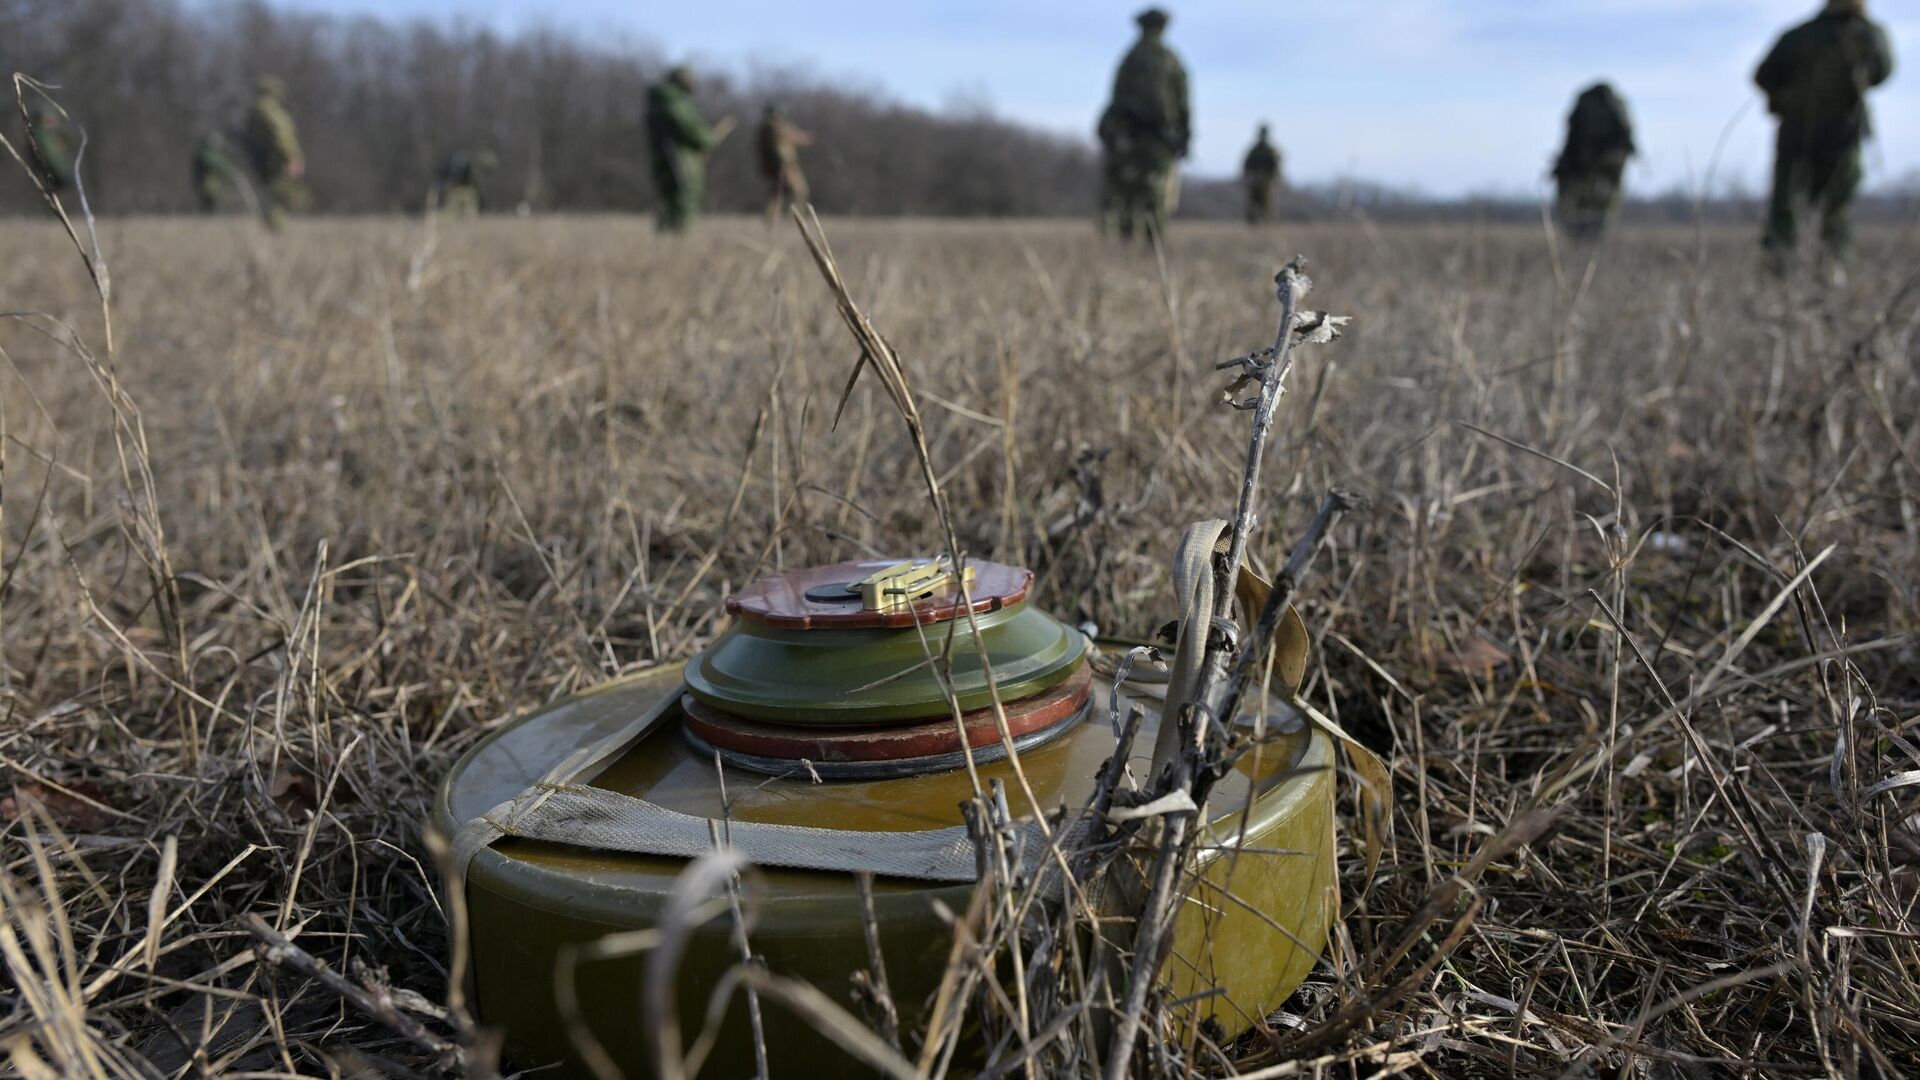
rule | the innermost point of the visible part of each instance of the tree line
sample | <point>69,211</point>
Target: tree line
<point>379,104</point>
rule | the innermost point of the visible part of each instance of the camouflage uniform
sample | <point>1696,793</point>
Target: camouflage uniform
<point>1260,172</point>
<point>778,146</point>
<point>1144,132</point>
<point>1816,81</point>
<point>1599,143</point>
<point>213,173</point>
<point>457,183</point>
<point>274,145</point>
<point>680,141</point>
<point>51,151</point>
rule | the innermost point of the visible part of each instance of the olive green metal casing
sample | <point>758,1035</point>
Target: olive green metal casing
<point>804,676</point>
<point>1254,927</point>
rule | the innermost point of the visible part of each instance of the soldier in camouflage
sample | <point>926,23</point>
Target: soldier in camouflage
<point>1816,80</point>
<point>778,148</point>
<point>273,143</point>
<point>1260,172</point>
<point>52,153</point>
<point>457,184</point>
<point>1144,133</point>
<point>680,142</point>
<point>214,177</point>
<point>1588,171</point>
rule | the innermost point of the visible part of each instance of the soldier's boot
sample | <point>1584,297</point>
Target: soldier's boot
<point>1586,203</point>
<point>1569,209</point>
<point>1836,241</point>
<point>666,217</point>
<point>1836,207</point>
<point>1259,205</point>
<point>1154,210</point>
<point>1782,233</point>
<point>676,212</point>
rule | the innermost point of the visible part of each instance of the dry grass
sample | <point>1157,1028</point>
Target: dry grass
<point>409,490</point>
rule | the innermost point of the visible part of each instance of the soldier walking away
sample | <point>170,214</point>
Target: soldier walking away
<point>52,152</point>
<point>1587,173</point>
<point>214,178</point>
<point>274,145</point>
<point>1144,133</point>
<point>1260,172</point>
<point>779,150</point>
<point>458,183</point>
<point>680,142</point>
<point>1816,81</point>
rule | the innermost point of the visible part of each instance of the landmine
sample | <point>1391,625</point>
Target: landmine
<point>839,750</point>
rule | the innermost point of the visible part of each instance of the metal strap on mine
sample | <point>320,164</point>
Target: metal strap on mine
<point>559,809</point>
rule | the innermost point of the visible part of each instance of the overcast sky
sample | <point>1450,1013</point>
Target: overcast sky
<point>1452,96</point>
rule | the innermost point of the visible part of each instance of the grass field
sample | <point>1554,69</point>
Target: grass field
<point>1643,552</point>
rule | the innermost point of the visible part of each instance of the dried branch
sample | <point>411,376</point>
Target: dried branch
<point>277,949</point>
<point>1190,774</point>
<point>875,983</point>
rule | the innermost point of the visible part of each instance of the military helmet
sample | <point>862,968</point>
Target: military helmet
<point>1153,19</point>
<point>270,86</point>
<point>681,76</point>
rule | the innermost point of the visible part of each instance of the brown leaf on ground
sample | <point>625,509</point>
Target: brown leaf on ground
<point>145,637</point>
<point>73,810</point>
<point>293,790</point>
<point>1477,657</point>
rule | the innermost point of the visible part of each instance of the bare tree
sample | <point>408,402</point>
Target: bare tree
<point>379,103</point>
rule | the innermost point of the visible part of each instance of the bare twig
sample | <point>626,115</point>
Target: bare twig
<point>1190,777</point>
<point>277,949</point>
<point>881,994</point>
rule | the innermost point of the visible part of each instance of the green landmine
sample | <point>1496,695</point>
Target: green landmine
<point>535,907</point>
